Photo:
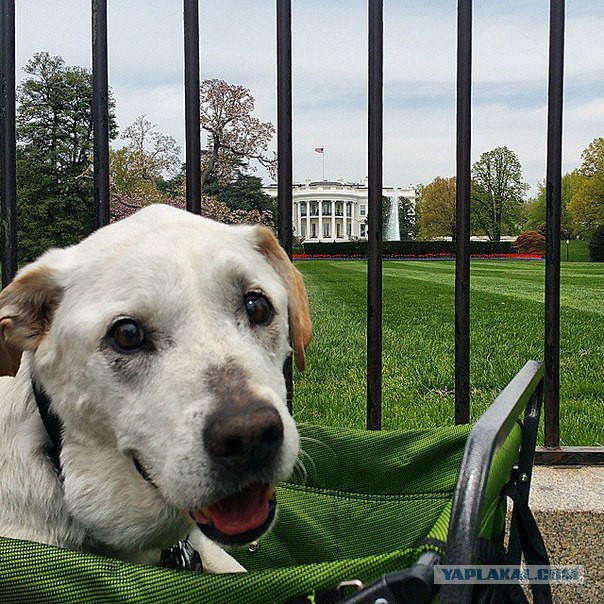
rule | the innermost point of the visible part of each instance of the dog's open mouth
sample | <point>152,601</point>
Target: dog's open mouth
<point>238,518</point>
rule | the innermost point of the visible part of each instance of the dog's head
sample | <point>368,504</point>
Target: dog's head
<point>161,342</point>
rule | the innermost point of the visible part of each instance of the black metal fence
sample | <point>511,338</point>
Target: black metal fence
<point>552,452</point>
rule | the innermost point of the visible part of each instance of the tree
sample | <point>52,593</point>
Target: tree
<point>593,158</point>
<point>145,171</point>
<point>586,207</point>
<point>406,218</point>
<point>138,170</point>
<point>236,138</point>
<point>217,210</point>
<point>436,209</point>
<point>245,193</point>
<point>535,208</point>
<point>127,183</point>
<point>596,245</point>
<point>153,154</point>
<point>498,190</point>
<point>530,242</point>
<point>55,191</point>
<point>122,207</point>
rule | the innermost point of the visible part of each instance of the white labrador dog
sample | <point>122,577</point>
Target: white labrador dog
<point>150,397</point>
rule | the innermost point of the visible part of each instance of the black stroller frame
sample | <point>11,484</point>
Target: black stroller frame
<point>522,397</point>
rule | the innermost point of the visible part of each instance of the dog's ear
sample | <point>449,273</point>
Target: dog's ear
<point>10,358</point>
<point>300,326</point>
<point>27,306</point>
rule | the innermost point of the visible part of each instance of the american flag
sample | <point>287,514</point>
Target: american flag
<point>319,149</point>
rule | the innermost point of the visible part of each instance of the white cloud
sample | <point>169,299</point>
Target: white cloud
<point>330,72</point>
<point>584,52</point>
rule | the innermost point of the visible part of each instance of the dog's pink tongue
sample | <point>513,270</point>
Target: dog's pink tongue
<point>241,512</point>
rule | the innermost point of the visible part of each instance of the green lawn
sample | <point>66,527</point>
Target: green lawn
<point>577,250</point>
<point>418,339</point>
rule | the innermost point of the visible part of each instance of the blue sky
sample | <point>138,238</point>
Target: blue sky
<point>330,58</point>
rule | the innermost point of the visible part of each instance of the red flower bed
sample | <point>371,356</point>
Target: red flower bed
<point>438,256</point>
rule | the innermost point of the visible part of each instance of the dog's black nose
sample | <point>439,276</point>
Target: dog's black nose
<point>245,438</point>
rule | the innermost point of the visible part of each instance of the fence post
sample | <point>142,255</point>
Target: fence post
<point>100,111</point>
<point>284,147</point>
<point>8,142</point>
<point>192,106</point>
<point>374,217</point>
<point>462,193</point>
<point>552,220</point>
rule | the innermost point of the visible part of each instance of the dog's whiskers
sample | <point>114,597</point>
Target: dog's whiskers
<point>305,458</point>
<point>316,441</point>
<point>299,467</point>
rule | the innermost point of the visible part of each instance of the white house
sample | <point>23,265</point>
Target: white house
<point>333,210</point>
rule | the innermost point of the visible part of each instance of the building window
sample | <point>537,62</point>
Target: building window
<point>349,230</point>
<point>313,230</point>
<point>326,229</point>
<point>339,209</point>
<point>303,230</point>
<point>303,208</point>
<point>363,230</point>
<point>326,208</point>
<point>348,209</point>
<point>314,208</point>
<point>362,210</point>
<point>339,230</point>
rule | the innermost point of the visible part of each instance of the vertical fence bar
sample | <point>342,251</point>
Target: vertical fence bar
<point>192,105</point>
<point>100,111</point>
<point>374,217</point>
<point>284,145</point>
<point>463,180</point>
<point>553,218</point>
<point>8,142</point>
<point>284,124</point>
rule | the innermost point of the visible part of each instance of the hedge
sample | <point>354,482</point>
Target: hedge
<point>414,248</point>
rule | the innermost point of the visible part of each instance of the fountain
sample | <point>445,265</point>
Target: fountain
<point>392,227</point>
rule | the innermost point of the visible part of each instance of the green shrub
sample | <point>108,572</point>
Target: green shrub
<point>596,245</point>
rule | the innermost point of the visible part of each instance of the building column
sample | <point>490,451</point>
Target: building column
<point>333,220</point>
<point>320,233</point>
<point>344,225</point>
<point>307,220</point>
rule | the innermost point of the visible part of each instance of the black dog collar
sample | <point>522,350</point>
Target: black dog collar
<point>54,428</point>
<point>51,422</point>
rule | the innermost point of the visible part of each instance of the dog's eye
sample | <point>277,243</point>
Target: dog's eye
<point>259,309</point>
<point>126,335</point>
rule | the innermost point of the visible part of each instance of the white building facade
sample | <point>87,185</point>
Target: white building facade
<point>332,211</point>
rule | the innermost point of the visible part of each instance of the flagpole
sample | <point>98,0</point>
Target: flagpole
<point>321,150</point>
<point>323,163</point>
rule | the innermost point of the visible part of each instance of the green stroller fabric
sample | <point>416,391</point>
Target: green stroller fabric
<point>366,503</point>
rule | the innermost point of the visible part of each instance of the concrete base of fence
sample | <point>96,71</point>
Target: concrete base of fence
<point>568,504</point>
